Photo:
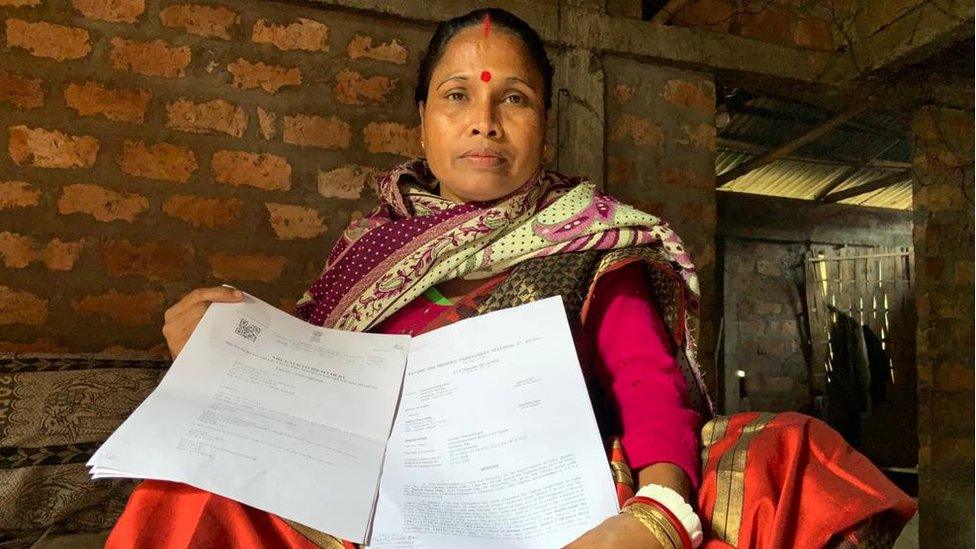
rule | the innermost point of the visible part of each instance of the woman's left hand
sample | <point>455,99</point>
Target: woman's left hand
<point>621,531</point>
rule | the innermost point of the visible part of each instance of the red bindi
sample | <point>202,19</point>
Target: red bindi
<point>485,76</point>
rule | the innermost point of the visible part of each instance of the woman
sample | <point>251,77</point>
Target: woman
<point>478,226</point>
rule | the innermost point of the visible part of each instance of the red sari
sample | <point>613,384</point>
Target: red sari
<point>767,481</point>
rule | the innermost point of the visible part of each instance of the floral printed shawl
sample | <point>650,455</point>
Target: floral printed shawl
<point>415,239</point>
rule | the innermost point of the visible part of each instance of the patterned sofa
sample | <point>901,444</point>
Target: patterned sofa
<point>54,413</point>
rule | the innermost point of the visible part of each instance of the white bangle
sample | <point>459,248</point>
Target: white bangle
<point>677,505</point>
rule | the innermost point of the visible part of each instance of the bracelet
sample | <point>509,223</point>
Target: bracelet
<point>676,504</point>
<point>679,529</point>
<point>655,521</point>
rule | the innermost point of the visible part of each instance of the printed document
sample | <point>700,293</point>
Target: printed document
<point>495,443</point>
<point>271,411</point>
<point>478,434</point>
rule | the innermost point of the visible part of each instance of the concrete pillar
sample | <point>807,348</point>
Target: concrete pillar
<point>943,234</point>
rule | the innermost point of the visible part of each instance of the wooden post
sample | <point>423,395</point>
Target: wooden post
<point>880,183</point>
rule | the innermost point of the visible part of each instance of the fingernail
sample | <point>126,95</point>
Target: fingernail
<point>238,294</point>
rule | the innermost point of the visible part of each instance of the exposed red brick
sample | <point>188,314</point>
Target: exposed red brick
<point>267,123</point>
<point>315,131</point>
<point>688,94</point>
<point>127,11</point>
<point>963,273</point>
<point>209,21</point>
<point>303,34</point>
<point>769,24</point>
<point>258,267</point>
<point>346,182</point>
<point>43,39</point>
<point>352,88</point>
<point>702,135</point>
<point>264,171</point>
<point>653,207</point>
<point>681,178</point>
<point>390,137</point>
<point>641,130</point>
<point>19,91</point>
<point>622,94</point>
<point>698,212</point>
<point>213,116</point>
<point>813,33</point>
<point>362,46</point>
<point>91,98</point>
<point>58,255</point>
<point>154,58</point>
<point>16,250</point>
<point>18,194</point>
<point>248,76</point>
<point>159,261</point>
<point>204,212</point>
<point>133,309</point>
<point>51,148</point>
<point>158,161</point>
<point>621,170</point>
<point>715,15</point>
<point>21,307</point>
<point>101,203</point>
<point>290,222</point>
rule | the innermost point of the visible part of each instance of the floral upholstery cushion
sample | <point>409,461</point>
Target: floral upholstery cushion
<point>54,413</point>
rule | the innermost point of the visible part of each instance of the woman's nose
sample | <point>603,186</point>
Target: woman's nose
<point>486,123</point>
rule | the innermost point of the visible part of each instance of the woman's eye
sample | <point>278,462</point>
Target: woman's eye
<point>455,96</point>
<point>515,98</point>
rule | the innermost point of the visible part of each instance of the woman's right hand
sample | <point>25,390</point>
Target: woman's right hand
<point>182,318</point>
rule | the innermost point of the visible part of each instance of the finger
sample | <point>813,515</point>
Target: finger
<point>220,294</point>
<point>190,317</point>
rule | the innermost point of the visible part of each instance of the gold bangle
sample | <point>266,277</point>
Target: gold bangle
<point>656,522</point>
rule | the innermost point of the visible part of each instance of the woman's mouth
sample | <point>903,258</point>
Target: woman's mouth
<point>484,161</point>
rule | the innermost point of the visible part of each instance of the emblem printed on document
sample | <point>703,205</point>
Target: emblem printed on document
<point>247,330</point>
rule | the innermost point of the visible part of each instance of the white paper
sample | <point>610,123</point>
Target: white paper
<point>495,443</point>
<point>271,411</point>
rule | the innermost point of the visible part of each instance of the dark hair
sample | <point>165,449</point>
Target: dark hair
<point>500,19</point>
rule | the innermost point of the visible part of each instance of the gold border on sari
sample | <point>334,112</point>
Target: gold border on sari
<point>711,432</point>
<point>320,539</point>
<point>730,482</point>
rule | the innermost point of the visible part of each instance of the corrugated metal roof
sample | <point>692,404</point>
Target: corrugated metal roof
<point>763,123</point>
<point>804,180</point>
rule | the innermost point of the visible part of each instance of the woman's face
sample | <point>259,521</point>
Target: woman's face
<point>483,124</point>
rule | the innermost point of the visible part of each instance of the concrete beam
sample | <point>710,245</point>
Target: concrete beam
<point>892,34</point>
<point>742,215</point>
<point>579,98</point>
<point>579,24</point>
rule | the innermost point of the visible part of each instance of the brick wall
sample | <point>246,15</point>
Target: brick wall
<point>943,208</point>
<point>149,147</point>
<point>661,157</point>
<point>764,242</point>
<point>764,291</point>
<point>808,25</point>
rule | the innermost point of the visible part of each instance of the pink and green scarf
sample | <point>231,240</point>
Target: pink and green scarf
<point>415,239</point>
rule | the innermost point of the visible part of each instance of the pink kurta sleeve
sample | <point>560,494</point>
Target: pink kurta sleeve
<point>639,374</point>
